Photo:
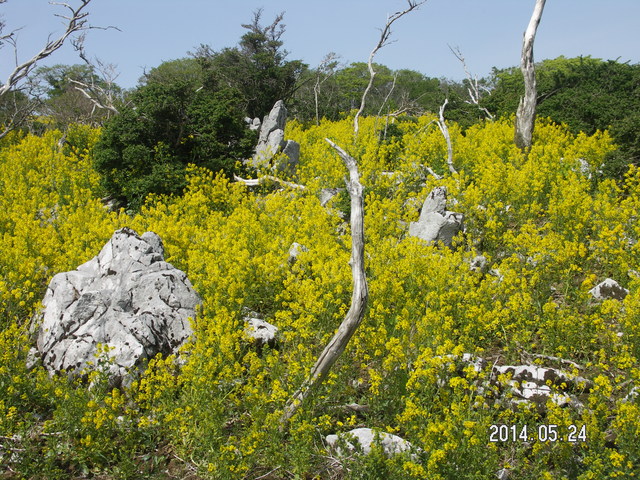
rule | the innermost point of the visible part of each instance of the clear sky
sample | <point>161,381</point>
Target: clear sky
<point>488,32</point>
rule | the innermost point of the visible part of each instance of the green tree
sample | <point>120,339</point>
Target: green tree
<point>587,94</point>
<point>62,101</point>
<point>257,68</point>
<point>173,120</point>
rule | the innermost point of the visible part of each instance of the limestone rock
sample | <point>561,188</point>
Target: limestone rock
<point>291,151</point>
<point>608,289</point>
<point>478,263</point>
<point>271,139</point>
<point>531,383</point>
<point>259,330</point>
<point>273,122</point>
<point>127,299</point>
<point>365,437</point>
<point>436,224</point>
<point>253,123</point>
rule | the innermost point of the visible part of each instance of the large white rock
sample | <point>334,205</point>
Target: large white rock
<point>127,300</point>
<point>271,138</point>
<point>271,141</point>
<point>608,289</point>
<point>366,438</point>
<point>436,224</point>
<point>258,329</point>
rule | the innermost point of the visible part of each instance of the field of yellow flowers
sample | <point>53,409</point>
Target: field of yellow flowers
<point>550,228</point>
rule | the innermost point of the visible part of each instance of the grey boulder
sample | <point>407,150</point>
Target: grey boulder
<point>127,301</point>
<point>258,329</point>
<point>271,142</point>
<point>608,289</point>
<point>436,224</point>
<point>366,438</point>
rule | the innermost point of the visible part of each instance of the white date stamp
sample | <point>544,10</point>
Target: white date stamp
<point>541,433</point>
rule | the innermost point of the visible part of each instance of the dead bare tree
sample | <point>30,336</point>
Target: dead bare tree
<point>75,20</point>
<point>474,88</point>
<point>526,114</point>
<point>327,68</point>
<point>359,296</point>
<point>385,35</point>
<point>102,97</point>
<point>360,293</point>
<point>442,125</point>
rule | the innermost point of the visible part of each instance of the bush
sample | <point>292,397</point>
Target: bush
<point>170,124</point>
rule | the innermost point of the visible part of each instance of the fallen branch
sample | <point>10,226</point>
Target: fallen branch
<point>359,296</point>
<point>553,359</point>
<point>255,182</point>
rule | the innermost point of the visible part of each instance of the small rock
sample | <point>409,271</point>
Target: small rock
<point>259,330</point>
<point>295,250</point>
<point>608,289</point>
<point>479,263</point>
<point>436,224</point>
<point>365,437</point>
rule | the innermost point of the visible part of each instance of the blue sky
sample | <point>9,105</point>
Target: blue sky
<point>488,32</point>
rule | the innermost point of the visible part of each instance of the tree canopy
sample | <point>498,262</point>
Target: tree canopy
<point>256,68</point>
<point>173,120</point>
<point>587,94</point>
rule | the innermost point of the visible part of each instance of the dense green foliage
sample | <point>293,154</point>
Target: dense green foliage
<point>257,68</point>
<point>586,94</point>
<point>173,120</point>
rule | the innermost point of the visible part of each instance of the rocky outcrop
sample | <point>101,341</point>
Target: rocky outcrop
<point>609,289</point>
<point>511,385</point>
<point>271,142</point>
<point>259,330</point>
<point>127,301</point>
<point>436,223</point>
<point>534,384</point>
<point>365,438</point>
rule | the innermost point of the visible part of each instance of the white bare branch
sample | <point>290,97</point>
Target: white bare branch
<point>359,296</point>
<point>385,35</point>
<point>100,97</point>
<point>474,85</point>
<point>327,66</point>
<point>75,20</point>
<point>442,125</point>
<point>526,114</point>
<point>255,182</point>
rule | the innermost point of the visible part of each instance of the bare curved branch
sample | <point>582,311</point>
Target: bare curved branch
<point>385,35</point>
<point>359,296</point>
<point>76,20</point>
<point>442,125</point>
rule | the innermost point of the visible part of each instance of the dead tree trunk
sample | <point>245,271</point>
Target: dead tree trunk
<point>445,133</point>
<point>385,34</point>
<point>359,297</point>
<point>526,114</point>
<point>360,294</point>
